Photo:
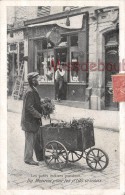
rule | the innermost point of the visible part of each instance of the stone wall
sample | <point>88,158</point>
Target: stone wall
<point>18,36</point>
<point>99,23</point>
<point>10,15</point>
<point>25,13</point>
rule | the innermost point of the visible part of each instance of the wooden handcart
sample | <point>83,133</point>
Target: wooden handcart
<point>63,145</point>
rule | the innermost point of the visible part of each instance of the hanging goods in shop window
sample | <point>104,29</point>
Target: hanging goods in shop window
<point>54,36</point>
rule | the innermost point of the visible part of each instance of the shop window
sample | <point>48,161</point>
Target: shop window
<point>77,57</point>
<point>45,60</point>
<point>45,66</point>
<point>13,47</point>
<point>74,68</point>
<point>64,38</point>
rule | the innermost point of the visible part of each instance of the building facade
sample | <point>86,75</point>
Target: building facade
<point>85,41</point>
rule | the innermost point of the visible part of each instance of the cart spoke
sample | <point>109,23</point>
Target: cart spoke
<point>55,160</point>
<point>56,147</point>
<point>93,153</point>
<point>64,156</point>
<point>102,156</point>
<point>52,147</point>
<point>95,165</point>
<point>48,153</point>
<point>89,157</point>
<point>50,160</point>
<point>98,153</point>
<point>72,156</point>
<point>59,163</point>
<point>78,155</point>
<point>100,164</point>
<point>92,162</point>
<point>60,159</point>
<point>60,152</point>
<point>102,161</point>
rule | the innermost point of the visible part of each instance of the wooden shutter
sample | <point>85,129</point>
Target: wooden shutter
<point>43,11</point>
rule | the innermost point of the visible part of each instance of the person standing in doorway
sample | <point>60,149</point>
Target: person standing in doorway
<point>31,120</point>
<point>59,81</point>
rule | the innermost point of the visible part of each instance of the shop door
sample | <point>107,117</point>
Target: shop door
<point>61,58</point>
<point>111,68</point>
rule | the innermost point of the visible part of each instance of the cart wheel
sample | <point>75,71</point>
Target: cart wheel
<point>97,159</point>
<point>74,156</point>
<point>55,155</point>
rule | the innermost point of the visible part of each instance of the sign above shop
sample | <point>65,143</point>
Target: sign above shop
<point>76,22</point>
<point>54,36</point>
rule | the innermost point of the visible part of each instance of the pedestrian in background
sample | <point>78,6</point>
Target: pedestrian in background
<point>31,120</point>
<point>59,81</point>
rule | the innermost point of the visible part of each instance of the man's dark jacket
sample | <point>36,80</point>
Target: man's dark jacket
<point>31,112</point>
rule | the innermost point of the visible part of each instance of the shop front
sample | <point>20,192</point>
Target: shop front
<point>53,43</point>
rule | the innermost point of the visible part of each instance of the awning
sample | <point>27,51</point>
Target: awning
<point>75,22</point>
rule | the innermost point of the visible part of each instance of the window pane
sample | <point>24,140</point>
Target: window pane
<point>74,65</point>
<point>45,66</point>
<point>44,61</point>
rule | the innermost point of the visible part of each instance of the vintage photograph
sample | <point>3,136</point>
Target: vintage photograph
<point>62,118</point>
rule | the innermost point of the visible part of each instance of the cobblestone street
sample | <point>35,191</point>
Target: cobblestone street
<point>76,175</point>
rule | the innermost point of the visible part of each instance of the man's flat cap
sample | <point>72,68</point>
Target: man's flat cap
<point>32,75</point>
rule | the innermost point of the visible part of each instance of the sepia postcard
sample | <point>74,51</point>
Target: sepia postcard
<point>62,80</point>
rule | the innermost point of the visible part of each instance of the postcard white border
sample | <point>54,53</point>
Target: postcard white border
<point>3,98</point>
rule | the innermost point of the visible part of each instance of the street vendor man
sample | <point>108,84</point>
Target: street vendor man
<point>31,120</point>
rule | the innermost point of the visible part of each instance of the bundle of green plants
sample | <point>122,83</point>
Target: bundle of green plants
<point>48,107</point>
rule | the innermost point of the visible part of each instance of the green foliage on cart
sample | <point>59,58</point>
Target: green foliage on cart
<point>48,107</point>
<point>75,124</point>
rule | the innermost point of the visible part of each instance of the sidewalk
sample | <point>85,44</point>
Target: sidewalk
<point>103,119</point>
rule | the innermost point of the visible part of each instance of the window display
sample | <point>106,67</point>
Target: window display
<point>45,61</point>
<point>45,66</point>
<point>74,65</point>
<point>76,60</point>
<point>67,54</point>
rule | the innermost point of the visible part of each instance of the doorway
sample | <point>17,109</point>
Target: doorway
<point>61,58</point>
<point>111,67</point>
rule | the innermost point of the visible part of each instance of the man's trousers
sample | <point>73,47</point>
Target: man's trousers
<point>32,142</point>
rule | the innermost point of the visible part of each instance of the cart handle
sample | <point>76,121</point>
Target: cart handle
<point>55,120</point>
